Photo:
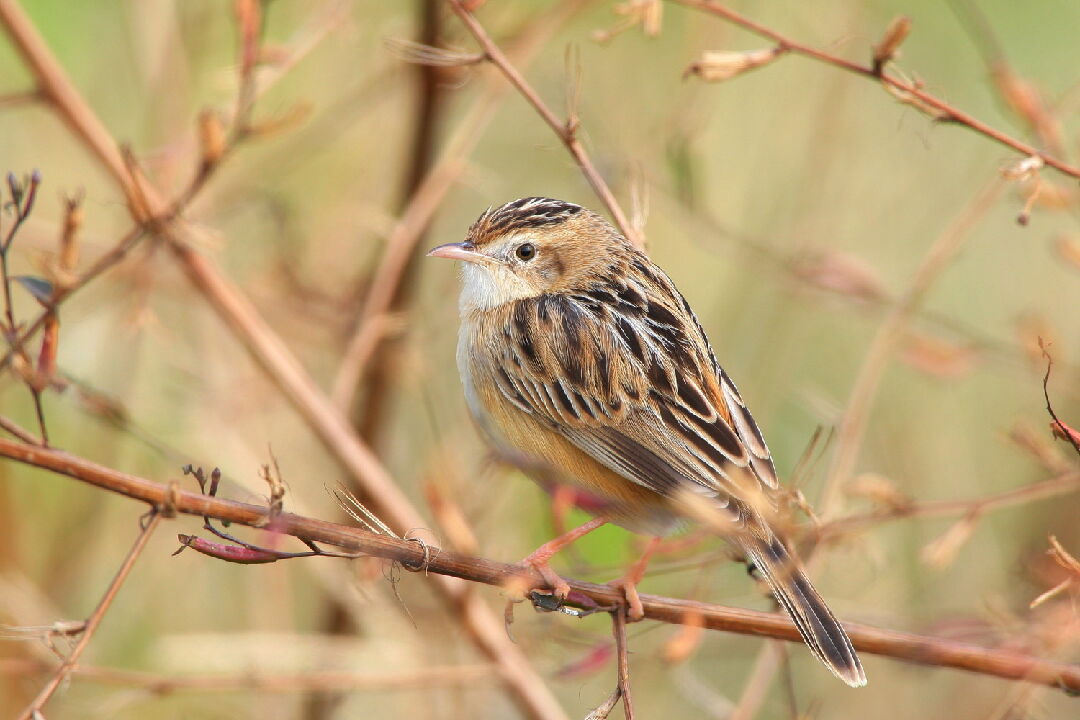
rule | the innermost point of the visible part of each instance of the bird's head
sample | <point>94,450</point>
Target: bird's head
<point>530,247</point>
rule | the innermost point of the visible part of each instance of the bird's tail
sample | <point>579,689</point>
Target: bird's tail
<point>820,629</point>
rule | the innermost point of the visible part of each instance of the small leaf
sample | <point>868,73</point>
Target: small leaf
<point>40,288</point>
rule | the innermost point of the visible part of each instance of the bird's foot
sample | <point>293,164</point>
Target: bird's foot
<point>634,609</point>
<point>628,583</point>
<point>540,558</point>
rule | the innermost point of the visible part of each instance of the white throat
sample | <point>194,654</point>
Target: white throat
<point>488,286</point>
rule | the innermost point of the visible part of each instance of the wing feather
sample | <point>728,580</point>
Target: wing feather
<point>620,376</point>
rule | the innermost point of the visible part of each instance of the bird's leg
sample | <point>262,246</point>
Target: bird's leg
<point>628,582</point>
<point>539,558</point>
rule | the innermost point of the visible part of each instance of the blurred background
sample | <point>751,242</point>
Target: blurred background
<point>795,206</point>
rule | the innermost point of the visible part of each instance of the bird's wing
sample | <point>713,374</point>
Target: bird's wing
<point>631,381</point>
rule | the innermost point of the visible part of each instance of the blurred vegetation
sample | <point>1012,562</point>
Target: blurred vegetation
<point>765,195</point>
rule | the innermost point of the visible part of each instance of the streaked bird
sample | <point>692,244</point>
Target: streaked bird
<point>578,351</point>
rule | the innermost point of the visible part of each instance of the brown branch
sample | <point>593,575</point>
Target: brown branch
<point>618,629</point>
<point>944,111</point>
<point>914,648</point>
<point>266,682</point>
<point>566,131</point>
<point>33,710</point>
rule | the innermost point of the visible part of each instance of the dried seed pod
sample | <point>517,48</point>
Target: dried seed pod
<point>211,137</point>
<point>890,42</point>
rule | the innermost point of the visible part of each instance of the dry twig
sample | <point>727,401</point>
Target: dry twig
<point>34,709</point>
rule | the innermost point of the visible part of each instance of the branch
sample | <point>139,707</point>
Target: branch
<point>567,131</point>
<point>944,111</point>
<point>920,649</point>
<point>268,682</point>
<point>33,710</point>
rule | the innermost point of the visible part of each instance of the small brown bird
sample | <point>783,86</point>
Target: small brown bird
<point>577,351</point>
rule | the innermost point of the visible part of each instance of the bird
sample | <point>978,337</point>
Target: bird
<point>577,352</point>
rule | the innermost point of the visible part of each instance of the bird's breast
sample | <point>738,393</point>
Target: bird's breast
<point>534,444</point>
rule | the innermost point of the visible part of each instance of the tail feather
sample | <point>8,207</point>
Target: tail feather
<point>820,629</point>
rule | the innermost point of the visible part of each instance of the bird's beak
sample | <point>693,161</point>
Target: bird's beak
<point>458,251</point>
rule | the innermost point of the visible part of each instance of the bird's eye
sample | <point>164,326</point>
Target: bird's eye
<point>525,251</point>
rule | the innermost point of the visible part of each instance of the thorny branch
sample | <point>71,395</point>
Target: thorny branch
<point>905,646</point>
<point>905,90</point>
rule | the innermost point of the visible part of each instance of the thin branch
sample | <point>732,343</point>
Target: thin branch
<point>33,710</point>
<point>267,682</point>
<point>864,390</point>
<point>116,254</point>
<point>944,112</point>
<point>566,131</point>
<point>904,646</point>
<point>19,98</point>
<point>18,431</point>
<point>618,629</point>
<point>1051,487</point>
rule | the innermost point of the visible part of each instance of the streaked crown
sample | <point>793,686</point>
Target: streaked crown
<point>530,212</point>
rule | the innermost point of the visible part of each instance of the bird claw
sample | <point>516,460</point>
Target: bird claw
<point>559,587</point>
<point>634,609</point>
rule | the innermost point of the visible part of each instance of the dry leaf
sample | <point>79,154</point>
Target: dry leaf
<point>1068,249</point>
<point>1064,432</point>
<point>878,489</point>
<point>211,137</point>
<point>1033,329</point>
<point>937,356</point>
<point>941,552</point>
<point>840,273</point>
<point>720,66</point>
<point>682,644</point>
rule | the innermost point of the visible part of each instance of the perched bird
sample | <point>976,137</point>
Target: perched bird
<point>577,351</point>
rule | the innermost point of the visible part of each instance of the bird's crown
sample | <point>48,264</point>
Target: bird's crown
<point>530,212</point>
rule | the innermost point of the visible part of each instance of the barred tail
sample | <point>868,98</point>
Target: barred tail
<point>820,629</point>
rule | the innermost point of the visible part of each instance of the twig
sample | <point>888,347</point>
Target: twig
<point>618,629</point>
<point>1065,483</point>
<point>566,131</point>
<point>116,254</point>
<point>268,682</point>
<point>944,112</point>
<point>1060,427</point>
<point>33,710</point>
<point>18,98</point>
<point>905,646</point>
<point>18,431</point>
<point>23,195</point>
